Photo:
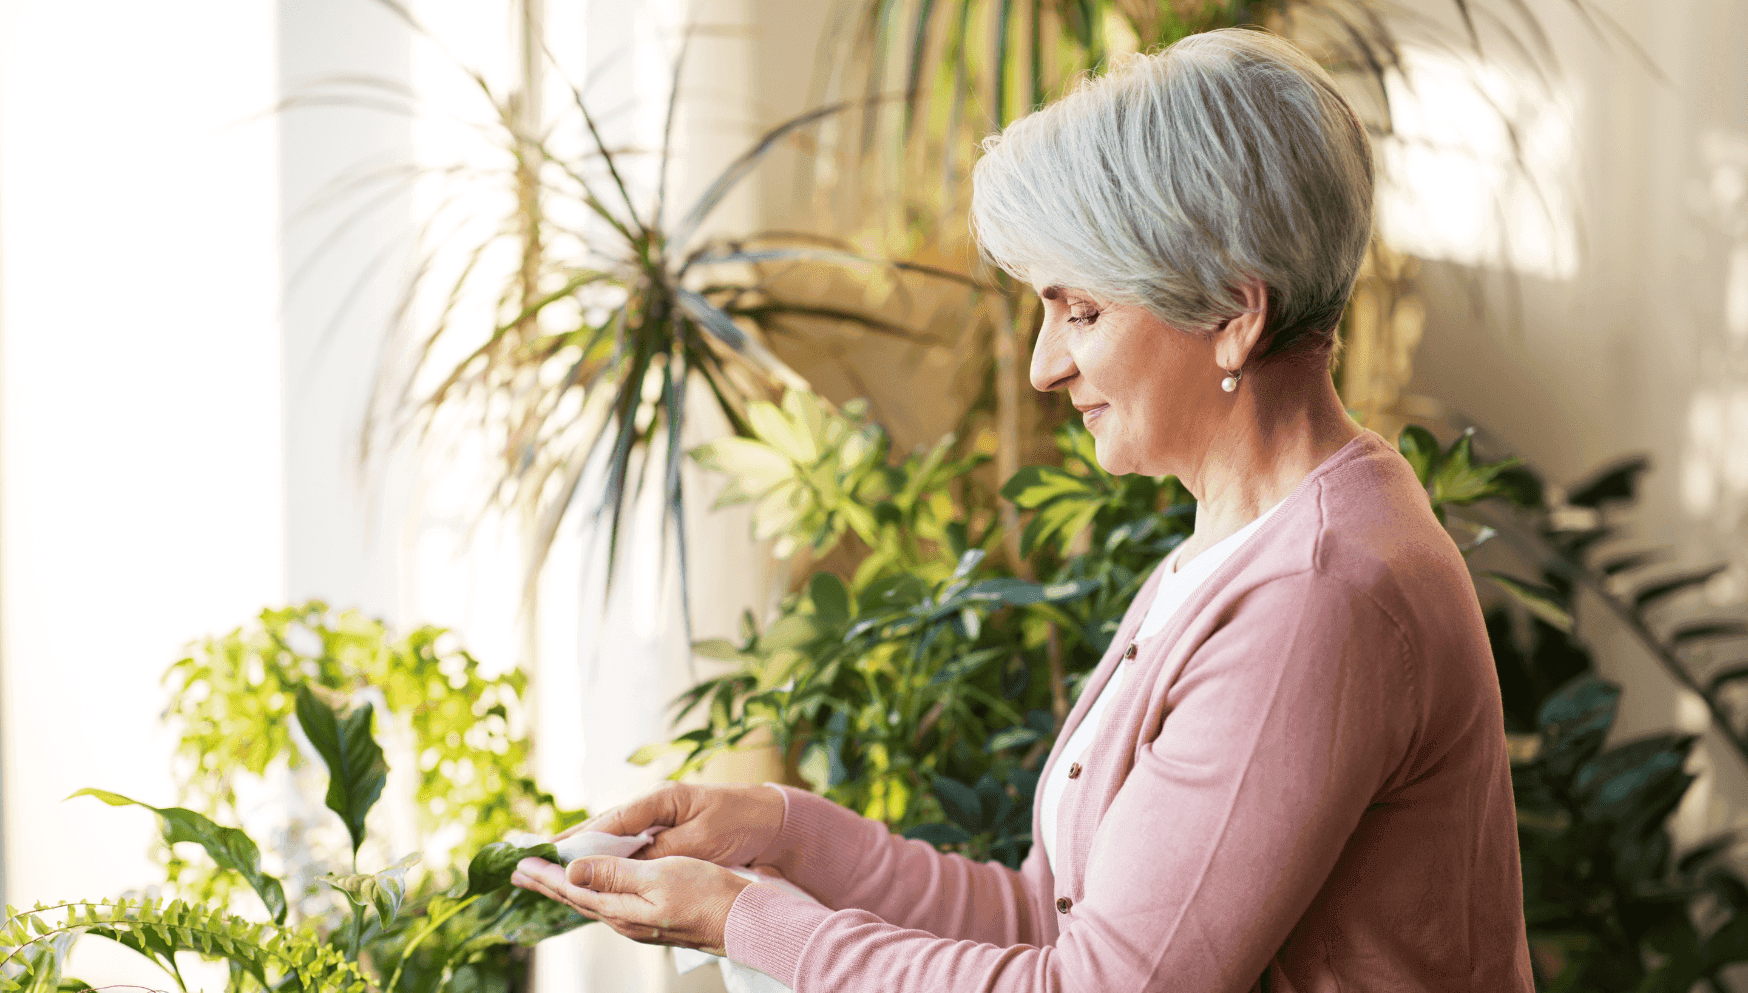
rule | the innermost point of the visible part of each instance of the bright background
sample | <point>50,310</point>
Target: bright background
<point>180,402</point>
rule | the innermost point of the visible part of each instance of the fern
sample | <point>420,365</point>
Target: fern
<point>275,957</point>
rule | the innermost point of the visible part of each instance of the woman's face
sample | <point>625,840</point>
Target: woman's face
<point>1144,388</point>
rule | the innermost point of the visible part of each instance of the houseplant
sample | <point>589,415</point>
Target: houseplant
<point>299,689</point>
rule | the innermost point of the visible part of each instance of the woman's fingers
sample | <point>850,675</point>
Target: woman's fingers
<point>659,806</point>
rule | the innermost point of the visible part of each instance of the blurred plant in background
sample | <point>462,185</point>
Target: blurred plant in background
<point>423,922</point>
<point>582,352</point>
<point>233,697</point>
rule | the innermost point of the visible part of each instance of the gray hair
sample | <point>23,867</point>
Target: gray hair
<point>1175,177</point>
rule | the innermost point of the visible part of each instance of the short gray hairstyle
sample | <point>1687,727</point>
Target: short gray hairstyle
<point>1175,177</point>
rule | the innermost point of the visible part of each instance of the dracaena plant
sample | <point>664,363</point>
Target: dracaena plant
<point>618,303</point>
<point>356,916</point>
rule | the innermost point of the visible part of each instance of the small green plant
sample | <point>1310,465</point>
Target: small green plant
<point>448,927</point>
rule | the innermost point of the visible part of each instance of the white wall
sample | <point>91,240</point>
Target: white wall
<point>139,410</point>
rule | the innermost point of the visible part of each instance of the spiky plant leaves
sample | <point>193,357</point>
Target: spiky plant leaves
<point>229,847</point>
<point>357,770</point>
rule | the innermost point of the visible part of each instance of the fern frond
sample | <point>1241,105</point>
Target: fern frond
<point>158,929</point>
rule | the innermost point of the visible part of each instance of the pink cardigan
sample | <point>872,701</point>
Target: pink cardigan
<point>1303,788</point>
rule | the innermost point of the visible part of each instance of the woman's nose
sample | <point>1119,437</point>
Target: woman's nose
<point>1052,365</point>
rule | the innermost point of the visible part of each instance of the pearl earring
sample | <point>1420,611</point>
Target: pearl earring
<point>1230,383</point>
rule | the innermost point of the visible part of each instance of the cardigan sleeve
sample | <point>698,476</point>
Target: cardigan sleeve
<point>849,861</point>
<point>1282,726</point>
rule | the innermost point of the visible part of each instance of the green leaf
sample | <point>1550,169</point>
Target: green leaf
<point>383,890</point>
<point>491,868</point>
<point>1652,592</point>
<point>756,467</point>
<point>1036,485</point>
<point>939,834</point>
<point>356,769</point>
<point>649,753</point>
<point>1421,449</point>
<point>1630,784</point>
<point>831,598</point>
<point>229,847</point>
<point>1010,738</point>
<point>960,803</point>
<point>1538,600</point>
<point>1575,720</point>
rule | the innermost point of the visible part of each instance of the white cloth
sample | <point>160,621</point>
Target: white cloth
<point>736,977</point>
<point>1174,589</point>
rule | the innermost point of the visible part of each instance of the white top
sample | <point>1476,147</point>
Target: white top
<point>1174,588</point>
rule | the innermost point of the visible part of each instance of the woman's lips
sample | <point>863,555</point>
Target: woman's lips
<point>1089,416</point>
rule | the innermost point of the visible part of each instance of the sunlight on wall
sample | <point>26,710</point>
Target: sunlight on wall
<point>1714,461</point>
<point>1459,195</point>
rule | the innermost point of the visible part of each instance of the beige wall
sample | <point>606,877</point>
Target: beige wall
<point>1635,352</point>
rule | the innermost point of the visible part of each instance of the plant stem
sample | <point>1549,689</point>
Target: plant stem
<point>436,922</point>
<point>357,930</point>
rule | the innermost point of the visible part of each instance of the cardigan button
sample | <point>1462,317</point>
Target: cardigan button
<point>1063,903</point>
<point>1127,655</point>
<point>1073,769</point>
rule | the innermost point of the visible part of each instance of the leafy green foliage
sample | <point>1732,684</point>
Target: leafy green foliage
<point>275,957</point>
<point>446,929</point>
<point>356,769</point>
<point>233,699</point>
<point>230,848</point>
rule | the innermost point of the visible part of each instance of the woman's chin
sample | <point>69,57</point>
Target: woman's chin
<point>1111,457</point>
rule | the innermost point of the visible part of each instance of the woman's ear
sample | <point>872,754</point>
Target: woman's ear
<point>1235,342</point>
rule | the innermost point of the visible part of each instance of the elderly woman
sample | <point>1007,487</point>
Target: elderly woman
<point>1289,771</point>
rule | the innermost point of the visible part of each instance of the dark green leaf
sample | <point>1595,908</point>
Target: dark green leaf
<point>1574,722</point>
<point>1706,629</point>
<point>1618,482</point>
<point>491,867</point>
<point>229,847</point>
<point>1725,676</point>
<point>1631,561</point>
<point>960,803</point>
<point>356,769</point>
<point>1697,856</point>
<point>1629,784</point>
<point>1652,592</point>
<point>1541,601</point>
<point>939,834</point>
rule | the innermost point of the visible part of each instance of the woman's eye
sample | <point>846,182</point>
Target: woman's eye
<point>1083,316</point>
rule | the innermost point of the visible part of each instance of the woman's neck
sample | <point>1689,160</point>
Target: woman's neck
<point>1287,425</point>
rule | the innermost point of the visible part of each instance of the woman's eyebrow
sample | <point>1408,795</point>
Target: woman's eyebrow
<point>1050,292</point>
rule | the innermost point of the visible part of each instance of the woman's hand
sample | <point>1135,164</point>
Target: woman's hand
<point>667,901</point>
<point>726,825</point>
